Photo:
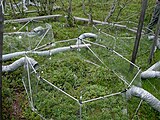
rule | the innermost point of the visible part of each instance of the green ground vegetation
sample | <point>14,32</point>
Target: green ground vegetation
<point>69,70</point>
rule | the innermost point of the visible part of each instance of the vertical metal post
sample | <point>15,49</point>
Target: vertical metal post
<point>80,105</point>
<point>80,111</point>
<point>1,44</point>
<point>138,35</point>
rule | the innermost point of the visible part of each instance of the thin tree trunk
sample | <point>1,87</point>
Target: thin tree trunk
<point>138,35</point>
<point>69,16</point>
<point>154,42</point>
<point>12,8</point>
<point>1,44</point>
<point>89,13</point>
<point>111,11</point>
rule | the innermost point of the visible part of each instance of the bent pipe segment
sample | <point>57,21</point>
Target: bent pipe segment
<point>144,95</point>
<point>18,63</point>
<point>85,35</point>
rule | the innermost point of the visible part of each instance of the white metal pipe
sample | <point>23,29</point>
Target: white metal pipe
<point>144,95</point>
<point>43,53</point>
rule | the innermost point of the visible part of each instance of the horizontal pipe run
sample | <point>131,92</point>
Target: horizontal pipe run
<point>43,53</point>
<point>152,72</point>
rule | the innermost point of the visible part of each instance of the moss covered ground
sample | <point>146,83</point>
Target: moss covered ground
<point>70,71</point>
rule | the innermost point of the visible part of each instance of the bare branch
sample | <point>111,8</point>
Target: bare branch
<point>111,10</point>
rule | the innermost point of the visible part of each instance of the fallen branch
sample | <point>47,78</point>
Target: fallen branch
<point>17,33</point>
<point>32,18</point>
<point>19,63</point>
<point>35,11</point>
<point>43,53</point>
<point>75,18</point>
<point>105,23</point>
<point>144,95</point>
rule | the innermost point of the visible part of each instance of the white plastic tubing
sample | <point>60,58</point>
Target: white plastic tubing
<point>152,72</point>
<point>144,95</point>
<point>85,35</point>
<point>43,53</point>
<point>18,63</point>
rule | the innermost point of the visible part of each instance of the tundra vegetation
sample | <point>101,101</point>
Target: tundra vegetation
<point>78,72</point>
